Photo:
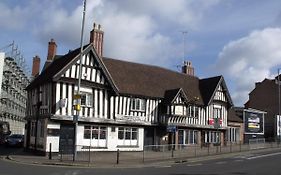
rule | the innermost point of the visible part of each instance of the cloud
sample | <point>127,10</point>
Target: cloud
<point>133,30</point>
<point>250,59</point>
<point>142,31</point>
<point>12,18</point>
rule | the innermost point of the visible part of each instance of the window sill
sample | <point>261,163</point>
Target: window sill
<point>127,146</point>
<point>93,147</point>
<point>132,110</point>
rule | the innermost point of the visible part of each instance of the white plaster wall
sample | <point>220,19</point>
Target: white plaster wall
<point>112,140</point>
<point>53,139</point>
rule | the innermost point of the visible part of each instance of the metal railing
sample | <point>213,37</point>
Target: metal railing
<point>153,153</point>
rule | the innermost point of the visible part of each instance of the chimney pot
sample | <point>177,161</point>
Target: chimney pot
<point>96,38</point>
<point>187,68</point>
<point>52,50</point>
<point>35,66</point>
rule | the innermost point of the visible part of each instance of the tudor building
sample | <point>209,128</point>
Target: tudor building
<point>125,105</point>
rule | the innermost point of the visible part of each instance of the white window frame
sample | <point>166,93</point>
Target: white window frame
<point>138,104</point>
<point>96,141</point>
<point>88,102</point>
<point>217,112</point>
<point>193,111</point>
<point>88,99</point>
<point>212,137</point>
<point>123,139</point>
<point>233,134</point>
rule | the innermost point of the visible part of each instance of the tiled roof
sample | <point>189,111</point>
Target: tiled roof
<point>47,74</point>
<point>150,81</point>
<point>233,116</point>
<point>140,79</point>
<point>208,87</point>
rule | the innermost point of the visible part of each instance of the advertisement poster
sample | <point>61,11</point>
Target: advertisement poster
<point>254,122</point>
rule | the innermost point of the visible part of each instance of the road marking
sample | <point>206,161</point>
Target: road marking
<point>219,163</point>
<point>265,155</point>
<point>164,166</point>
<point>198,164</point>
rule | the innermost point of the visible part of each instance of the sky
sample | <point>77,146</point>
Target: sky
<point>239,39</point>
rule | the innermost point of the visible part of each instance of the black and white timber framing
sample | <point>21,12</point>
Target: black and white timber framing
<point>111,109</point>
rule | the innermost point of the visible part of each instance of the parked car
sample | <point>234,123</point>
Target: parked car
<point>15,140</point>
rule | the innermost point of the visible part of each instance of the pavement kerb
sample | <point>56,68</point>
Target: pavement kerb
<point>142,165</point>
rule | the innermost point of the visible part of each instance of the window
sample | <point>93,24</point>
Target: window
<point>87,132</point>
<point>127,136</point>
<point>212,137</point>
<point>138,104</point>
<point>233,134</point>
<point>193,111</point>
<point>217,113</point>
<point>190,137</point>
<point>86,99</point>
<point>95,132</point>
<point>33,130</point>
<point>97,136</point>
<point>42,128</point>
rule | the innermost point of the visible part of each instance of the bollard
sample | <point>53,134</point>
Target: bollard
<point>117,160</point>
<point>172,152</point>
<point>217,149</point>
<point>50,152</point>
<point>143,156</point>
<point>89,161</point>
<point>208,149</point>
<point>240,146</point>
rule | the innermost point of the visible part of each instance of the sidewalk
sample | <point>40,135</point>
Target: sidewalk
<point>109,162</point>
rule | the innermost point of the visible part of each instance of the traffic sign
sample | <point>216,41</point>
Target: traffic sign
<point>171,128</point>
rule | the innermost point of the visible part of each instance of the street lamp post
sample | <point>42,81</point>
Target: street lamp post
<point>278,79</point>
<point>78,97</point>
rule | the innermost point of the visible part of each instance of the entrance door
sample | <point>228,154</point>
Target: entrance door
<point>148,136</point>
<point>66,139</point>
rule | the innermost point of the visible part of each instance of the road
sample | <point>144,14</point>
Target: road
<point>248,164</point>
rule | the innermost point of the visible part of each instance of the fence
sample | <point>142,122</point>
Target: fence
<point>154,153</point>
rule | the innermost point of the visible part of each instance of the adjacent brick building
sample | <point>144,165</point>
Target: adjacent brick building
<point>265,97</point>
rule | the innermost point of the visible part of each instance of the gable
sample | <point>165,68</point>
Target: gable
<point>221,93</point>
<point>214,88</point>
<point>180,98</point>
<point>93,69</point>
<point>175,96</point>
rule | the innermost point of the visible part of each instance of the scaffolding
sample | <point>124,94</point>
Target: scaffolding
<point>13,94</point>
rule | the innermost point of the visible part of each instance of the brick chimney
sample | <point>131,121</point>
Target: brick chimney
<point>52,50</point>
<point>96,37</point>
<point>35,66</point>
<point>187,68</point>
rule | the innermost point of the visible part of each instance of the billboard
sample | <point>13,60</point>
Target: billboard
<point>253,122</point>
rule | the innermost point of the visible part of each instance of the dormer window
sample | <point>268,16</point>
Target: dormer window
<point>138,104</point>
